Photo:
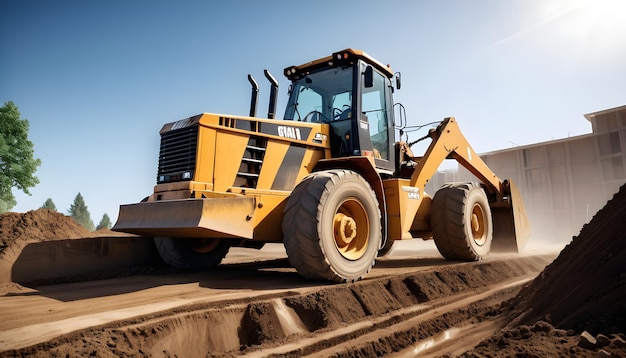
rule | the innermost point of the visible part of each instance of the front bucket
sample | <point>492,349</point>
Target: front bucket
<point>189,218</point>
<point>510,224</point>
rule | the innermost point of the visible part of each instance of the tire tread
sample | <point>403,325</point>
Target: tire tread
<point>301,226</point>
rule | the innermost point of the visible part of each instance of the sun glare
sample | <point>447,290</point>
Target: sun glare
<point>596,24</point>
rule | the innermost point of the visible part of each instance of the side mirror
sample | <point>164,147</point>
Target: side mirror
<point>398,80</point>
<point>368,77</point>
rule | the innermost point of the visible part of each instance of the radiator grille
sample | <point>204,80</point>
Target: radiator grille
<point>177,155</point>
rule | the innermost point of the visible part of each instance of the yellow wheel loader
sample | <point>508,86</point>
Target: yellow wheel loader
<point>330,180</point>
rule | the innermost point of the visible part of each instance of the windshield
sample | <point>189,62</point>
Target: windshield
<point>321,97</point>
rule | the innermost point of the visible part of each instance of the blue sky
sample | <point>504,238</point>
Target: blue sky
<point>97,79</point>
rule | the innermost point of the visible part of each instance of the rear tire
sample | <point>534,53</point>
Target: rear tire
<point>461,222</point>
<point>192,254</point>
<point>332,226</point>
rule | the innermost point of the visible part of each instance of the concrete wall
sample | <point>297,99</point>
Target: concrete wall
<point>565,182</point>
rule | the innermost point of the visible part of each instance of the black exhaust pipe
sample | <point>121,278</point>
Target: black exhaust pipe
<point>273,93</point>
<point>255,96</point>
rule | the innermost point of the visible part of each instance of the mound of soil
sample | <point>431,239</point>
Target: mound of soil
<point>585,287</point>
<point>577,305</point>
<point>18,229</point>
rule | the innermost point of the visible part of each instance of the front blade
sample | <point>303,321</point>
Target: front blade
<point>189,218</point>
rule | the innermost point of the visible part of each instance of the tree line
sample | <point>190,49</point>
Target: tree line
<point>18,165</point>
<point>80,213</point>
<point>17,161</point>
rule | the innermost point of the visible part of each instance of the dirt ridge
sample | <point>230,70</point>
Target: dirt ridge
<point>246,328</point>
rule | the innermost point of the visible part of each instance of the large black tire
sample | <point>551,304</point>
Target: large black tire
<point>332,226</point>
<point>192,254</point>
<point>461,222</point>
<point>387,248</point>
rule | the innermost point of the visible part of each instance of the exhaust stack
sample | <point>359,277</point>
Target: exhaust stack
<point>273,93</point>
<point>255,95</point>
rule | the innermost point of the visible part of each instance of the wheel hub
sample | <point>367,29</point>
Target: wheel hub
<point>345,228</point>
<point>351,229</point>
<point>478,223</point>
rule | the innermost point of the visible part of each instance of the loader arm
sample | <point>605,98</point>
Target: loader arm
<point>448,141</point>
<point>511,229</point>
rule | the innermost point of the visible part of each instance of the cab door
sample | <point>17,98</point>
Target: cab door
<point>375,117</point>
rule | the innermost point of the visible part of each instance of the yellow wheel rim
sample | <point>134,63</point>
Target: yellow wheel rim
<point>351,229</point>
<point>478,222</point>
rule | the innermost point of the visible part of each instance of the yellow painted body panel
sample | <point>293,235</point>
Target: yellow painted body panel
<point>290,151</point>
<point>206,161</point>
<point>401,198</point>
<point>270,167</point>
<point>222,148</point>
<point>229,146</point>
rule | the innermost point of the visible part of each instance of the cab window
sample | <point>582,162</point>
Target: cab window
<point>374,109</point>
<point>322,96</point>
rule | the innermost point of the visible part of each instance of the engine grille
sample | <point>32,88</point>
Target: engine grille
<point>177,155</point>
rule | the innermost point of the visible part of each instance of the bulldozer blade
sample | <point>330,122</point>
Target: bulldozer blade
<point>510,224</point>
<point>189,218</point>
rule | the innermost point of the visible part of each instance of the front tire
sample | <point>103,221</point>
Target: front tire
<point>461,222</point>
<point>192,254</point>
<point>332,226</point>
<point>387,248</point>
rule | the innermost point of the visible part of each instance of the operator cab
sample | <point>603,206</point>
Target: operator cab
<point>352,93</point>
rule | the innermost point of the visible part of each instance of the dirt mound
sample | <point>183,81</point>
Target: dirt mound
<point>576,306</point>
<point>585,287</point>
<point>18,229</point>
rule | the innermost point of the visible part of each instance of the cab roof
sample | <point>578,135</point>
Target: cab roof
<point>344,57</point>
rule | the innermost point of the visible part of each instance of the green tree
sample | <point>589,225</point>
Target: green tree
<point>17,161</point>
<point>80,213</point>
<point>49,204</point>
<point>105,222</point>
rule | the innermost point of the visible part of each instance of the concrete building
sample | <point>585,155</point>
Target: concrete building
<point>564,182</point>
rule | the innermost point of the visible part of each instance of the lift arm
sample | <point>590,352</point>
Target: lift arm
<point>449,143</point>
<point>511,230</point>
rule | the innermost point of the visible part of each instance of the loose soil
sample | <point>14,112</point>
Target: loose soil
<point>577,305</point>
<point>505,306</point>
<point>20,229</point>
<point>17,229</point>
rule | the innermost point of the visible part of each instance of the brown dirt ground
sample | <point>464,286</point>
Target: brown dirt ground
<point>582,290</point>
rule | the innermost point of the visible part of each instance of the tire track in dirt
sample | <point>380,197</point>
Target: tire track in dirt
<point>367,333</point>
<point>261,324</point>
